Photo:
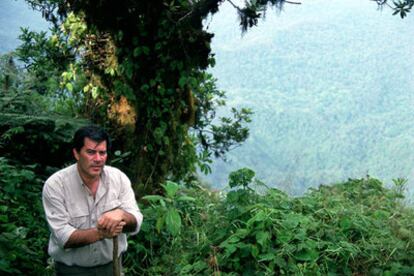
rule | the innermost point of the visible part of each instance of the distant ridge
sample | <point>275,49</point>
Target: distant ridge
<point>331,83</point>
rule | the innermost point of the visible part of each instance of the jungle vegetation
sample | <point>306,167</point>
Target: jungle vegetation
<point>139,69</point>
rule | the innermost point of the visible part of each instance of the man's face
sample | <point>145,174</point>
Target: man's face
<point>91,158</point>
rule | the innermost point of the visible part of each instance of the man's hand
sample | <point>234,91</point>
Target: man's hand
<point>107,234</point>
<point>111,223</point>
<point>112,219</point>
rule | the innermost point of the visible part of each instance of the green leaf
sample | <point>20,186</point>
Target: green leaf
<point>230,249</point>
<point>284,236</point>
<point>146,50</point>
<point>183,81</point>
<point>186,198</point>
<point>306,255</point>
<point>69,86</point>
<point>94,92</point>
<point>160,223</point>
<point>153,197</point>
<point>292,221</point>
<point>162,202</point>
<point>171,188</point>
<point>345,223</point>
<point>137,51</point>
<point>262,238</point>
<point>242,233</point>
<point>266,257</point>
<point>173,221</point>
<point>233,239</point>
<point>3,218</point>
<point>259,216</point>
<point>254,251</point>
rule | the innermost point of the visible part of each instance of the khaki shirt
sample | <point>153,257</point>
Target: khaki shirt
<point>69,206</point>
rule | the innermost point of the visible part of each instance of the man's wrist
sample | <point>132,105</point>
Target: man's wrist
<point>100,235</point>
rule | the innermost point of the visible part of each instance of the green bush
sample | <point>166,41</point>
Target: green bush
<point>23,229</point>
<point>357,227</point>
<point>354,228</point>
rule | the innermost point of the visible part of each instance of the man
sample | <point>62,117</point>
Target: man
<point>86,205</point>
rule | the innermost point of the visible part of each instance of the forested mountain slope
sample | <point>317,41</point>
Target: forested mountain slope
<point>331,84</point>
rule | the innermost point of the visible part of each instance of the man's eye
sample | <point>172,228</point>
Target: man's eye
<point>90,152</point>
<point>102,152</point>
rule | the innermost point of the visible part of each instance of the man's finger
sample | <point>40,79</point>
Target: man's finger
<point>116,225</point>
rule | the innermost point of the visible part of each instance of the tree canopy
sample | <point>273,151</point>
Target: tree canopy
<point>140,70</point>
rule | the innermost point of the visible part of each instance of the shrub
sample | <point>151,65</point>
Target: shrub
<point>357,227</point>
<point>23,230</point>
<point>354,228</point>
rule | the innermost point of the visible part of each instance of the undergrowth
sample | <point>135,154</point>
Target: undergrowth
<point>354,228</point>
<point>358,227</point>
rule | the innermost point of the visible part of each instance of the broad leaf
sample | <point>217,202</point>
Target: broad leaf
<point>171,188</point>
<point>173,221</point>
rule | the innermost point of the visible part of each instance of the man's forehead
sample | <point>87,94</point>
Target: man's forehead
<point>92,144</point>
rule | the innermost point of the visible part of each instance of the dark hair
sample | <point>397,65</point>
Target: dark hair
<point>92,132</point>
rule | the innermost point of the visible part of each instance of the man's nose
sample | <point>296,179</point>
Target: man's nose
<point>97,157</point>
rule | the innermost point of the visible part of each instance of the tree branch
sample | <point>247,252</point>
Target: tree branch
<point>200,10</point>
<point>234,5</point>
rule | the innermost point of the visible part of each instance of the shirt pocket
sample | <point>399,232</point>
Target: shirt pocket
<point>79,218</point>
<point>110,205</point>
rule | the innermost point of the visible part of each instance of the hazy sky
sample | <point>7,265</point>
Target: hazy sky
<point>13,15</point>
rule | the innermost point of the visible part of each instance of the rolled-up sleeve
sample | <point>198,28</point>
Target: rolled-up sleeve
<point>129,203</point>
<point>56,214</point>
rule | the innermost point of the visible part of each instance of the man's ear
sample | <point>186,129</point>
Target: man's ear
<point>75,154</point>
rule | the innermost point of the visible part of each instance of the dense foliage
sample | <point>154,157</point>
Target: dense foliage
<point>23,231</point>
<point>32,130</point>
<point>354,228</point>
<point>33,135</point>
<point>139,69</point>
<point>357,227</point>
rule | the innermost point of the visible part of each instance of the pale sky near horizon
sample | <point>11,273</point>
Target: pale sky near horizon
<point>13,15</point>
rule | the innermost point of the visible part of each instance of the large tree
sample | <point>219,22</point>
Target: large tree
<point>139,69</point>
